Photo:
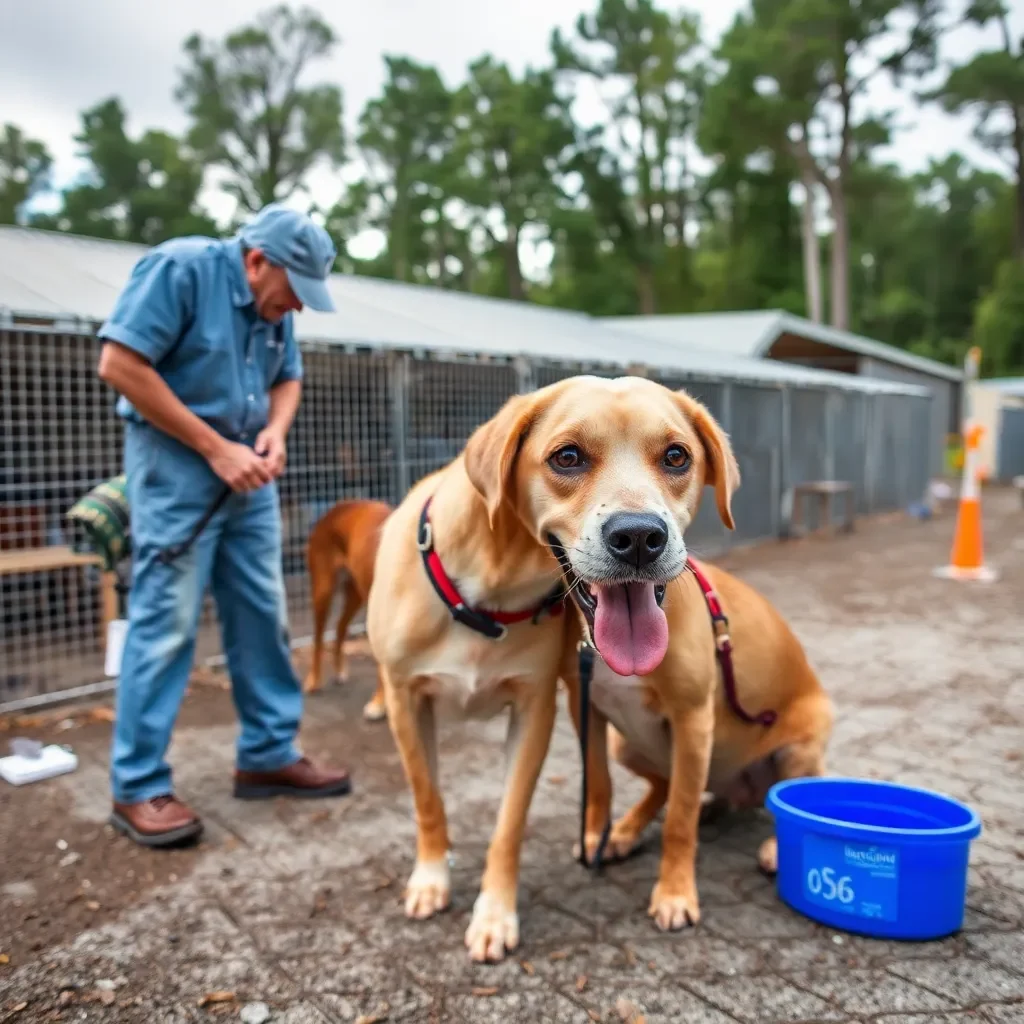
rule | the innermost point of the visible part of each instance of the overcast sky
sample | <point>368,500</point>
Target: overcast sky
<point>58,57</point>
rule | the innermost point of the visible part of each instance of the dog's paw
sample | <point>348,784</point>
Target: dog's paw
<point>374,710</point>
<point>673,911</point>
<point>622,841</point>
<point>592,840</point>
<point>493,929</point>
<point>428,890</point>
<point>768,856</point>
<point>310,684</point>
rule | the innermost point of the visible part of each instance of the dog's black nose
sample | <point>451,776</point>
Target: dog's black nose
<point>636,538</point>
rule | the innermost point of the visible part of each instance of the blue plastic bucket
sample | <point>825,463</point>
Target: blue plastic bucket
<point>873,857</point>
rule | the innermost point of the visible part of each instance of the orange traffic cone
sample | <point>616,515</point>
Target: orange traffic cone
<point>967,560</point>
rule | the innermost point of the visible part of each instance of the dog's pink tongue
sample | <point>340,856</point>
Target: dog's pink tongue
<point>630,630</point>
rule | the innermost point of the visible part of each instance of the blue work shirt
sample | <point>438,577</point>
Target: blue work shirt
<point>189,310</point>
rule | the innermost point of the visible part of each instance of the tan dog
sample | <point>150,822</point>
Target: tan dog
<point>611,471</point>
<point>343,543</point>
<point>483,557</point>
<point>659,700</point>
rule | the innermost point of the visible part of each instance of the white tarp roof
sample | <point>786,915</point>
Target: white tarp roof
<point>72,279</point>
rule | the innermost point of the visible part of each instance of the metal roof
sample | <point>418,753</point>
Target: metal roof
<point>752,333</point>
<point>1013,386</point>
<point>69,279</point>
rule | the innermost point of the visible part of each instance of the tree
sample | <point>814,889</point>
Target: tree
<point>747,115</point>
<point>647,64</point>
<point>406,141</point>
<point>991,86</point>
<point>136,190</point>
<point>512,138</point>
<point>999,321</point>
<point>923,253</point>
<point>804,66</point>
<point>749,254</point>
<point>250,114</point>
<point>25,166</point>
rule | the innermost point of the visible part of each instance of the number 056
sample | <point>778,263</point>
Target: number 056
<point>823,883</point>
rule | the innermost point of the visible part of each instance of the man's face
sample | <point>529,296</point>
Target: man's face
<point>270,287</point>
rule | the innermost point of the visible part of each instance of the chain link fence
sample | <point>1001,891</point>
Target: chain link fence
<point>370,425</point>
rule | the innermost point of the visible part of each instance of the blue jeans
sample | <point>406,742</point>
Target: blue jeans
<point>238,555</point>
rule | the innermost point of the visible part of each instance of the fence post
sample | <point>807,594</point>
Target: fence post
<point>526,378</point>
<point>783,470</point>
<point>726,416</point>
<point>831,419</point>
<point>872,434</point>
<point>398,388</point>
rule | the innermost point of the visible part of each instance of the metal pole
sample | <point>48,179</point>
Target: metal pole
<point>399,423</point>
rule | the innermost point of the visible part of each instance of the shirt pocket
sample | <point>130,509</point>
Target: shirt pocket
<point>209,368</point>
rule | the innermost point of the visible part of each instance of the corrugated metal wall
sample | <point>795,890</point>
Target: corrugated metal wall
<point>370,425</point>
<point>944,414</point>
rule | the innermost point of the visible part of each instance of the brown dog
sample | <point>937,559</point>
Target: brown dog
<point>343,543</point>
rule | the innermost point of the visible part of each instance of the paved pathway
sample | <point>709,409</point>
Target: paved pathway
<point>298,907</point>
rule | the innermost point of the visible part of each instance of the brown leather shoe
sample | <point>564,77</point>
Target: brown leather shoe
<point>301,779</point>
<point>162,821</point>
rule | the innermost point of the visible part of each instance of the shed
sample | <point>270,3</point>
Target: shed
<point>396,380</point>
<point>780,336</point>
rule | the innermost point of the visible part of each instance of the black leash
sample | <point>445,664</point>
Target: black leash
<point>587,654</point>
<point>169,554</point>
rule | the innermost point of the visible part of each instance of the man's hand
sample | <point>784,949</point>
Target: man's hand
<point>240,467</point>
<point>270,444</point>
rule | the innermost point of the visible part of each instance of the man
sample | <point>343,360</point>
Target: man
<point>201,348</point>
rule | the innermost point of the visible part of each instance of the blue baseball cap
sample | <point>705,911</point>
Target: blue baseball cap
<point>292,240</point>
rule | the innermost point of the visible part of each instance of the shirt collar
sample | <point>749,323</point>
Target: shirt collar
<point>241,293</point>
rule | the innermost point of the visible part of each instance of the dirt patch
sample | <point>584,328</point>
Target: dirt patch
<point>62,875</point>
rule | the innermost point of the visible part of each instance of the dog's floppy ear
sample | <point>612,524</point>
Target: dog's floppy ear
<point>721,470</point>
<point>491,451</point>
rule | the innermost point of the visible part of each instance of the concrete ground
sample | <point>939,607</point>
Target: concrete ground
<point>291,912</point>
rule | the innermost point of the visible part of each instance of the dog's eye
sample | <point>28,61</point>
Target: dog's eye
<point>567,458</point>
<point>677,458</point>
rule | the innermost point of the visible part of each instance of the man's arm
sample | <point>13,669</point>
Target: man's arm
<point>131,375</point>
<point>149,318</point>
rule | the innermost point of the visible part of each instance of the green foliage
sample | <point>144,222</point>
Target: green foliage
<point>251,117</point>
<point>999,323</point>
<point>406,140</point>
<point>687,194</point>
<point>648,66</point>
<point>24,171</point>
<point>990,86</point>
<point>512,137</point>
<point>135,190</point>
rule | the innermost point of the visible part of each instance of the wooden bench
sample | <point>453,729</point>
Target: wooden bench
<point>825,491</point>
<point>24,561</point>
